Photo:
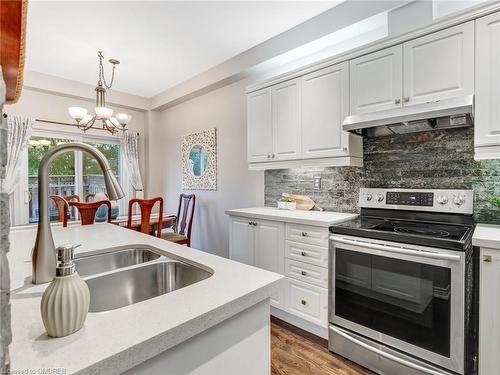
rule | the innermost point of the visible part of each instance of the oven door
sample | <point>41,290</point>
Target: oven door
<point>405,296</point>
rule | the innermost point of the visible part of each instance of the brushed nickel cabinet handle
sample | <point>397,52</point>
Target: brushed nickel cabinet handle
<point>406,99</point>
<point>304,234</point>
<point>304,302</point>
<point>303,253</point>
<point>397,101</point>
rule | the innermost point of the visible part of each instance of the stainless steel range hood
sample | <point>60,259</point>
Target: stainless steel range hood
<point>455,112</point>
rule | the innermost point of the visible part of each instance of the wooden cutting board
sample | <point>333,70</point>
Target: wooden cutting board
<point>303,202</point>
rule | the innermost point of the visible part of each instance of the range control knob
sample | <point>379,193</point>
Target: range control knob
<point>369,197</point>
<point>459,200</point>
<point>442,199</point>
<point>380,197</point>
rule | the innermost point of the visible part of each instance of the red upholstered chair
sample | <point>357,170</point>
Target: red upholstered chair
<point>184,222</point>
<point>62,206</point>
<point>146,206</point>
<point>87,210</point>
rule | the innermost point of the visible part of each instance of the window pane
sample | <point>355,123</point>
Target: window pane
<point>93,179</point>
<point>61,174</point>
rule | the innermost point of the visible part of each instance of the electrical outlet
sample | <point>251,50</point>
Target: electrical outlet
<point>317,183</point>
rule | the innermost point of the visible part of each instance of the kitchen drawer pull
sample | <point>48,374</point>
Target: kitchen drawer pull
<point>397,101</point>
<point>304,234</point>
<point>303,253</point>
<point>304,302</point>
<point>406,99</point>
<point>250,223</point>
<point>303,273</point>
<point>487,258</point>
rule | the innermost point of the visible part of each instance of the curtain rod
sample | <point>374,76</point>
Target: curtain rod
<point>60,123</point>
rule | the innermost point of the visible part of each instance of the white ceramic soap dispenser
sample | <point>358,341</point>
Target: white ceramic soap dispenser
<point>65,303</point>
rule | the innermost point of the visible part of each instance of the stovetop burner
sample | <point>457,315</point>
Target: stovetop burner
<point>426,233</point>
<point>422,231</point>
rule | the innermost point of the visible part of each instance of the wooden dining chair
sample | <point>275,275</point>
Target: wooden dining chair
<point>89,197</point>
<point>87,210</point>
<point>184,222</point>
<point>62,206</point>
<point>146,206</point>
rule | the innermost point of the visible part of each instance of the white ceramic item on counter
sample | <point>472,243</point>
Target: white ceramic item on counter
<point>65,302</point>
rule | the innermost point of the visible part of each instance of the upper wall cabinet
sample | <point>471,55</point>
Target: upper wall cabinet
<point>259,126</point>
<point>325,104</point>
<point>300,119</point>
<point>439,65</point>
<point>286,120</point>
<point>487,99</point>
<point>376,81</point>
<point>434,67</point>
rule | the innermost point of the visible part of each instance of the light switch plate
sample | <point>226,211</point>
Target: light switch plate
<point>317,183</point>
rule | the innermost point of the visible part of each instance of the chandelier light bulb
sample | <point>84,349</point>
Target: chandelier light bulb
<point>86,119</point>
<point>77,113</point>
<point>103,113</point>
<point>123,118</point>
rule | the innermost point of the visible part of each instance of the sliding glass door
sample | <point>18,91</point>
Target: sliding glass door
<point>72,173</point>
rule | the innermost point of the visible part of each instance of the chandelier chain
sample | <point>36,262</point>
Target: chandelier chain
<point>102,78</point>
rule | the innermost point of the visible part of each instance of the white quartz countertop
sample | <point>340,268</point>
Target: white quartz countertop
<point>114,341</point>
<point>317,218</point>
<point>487,235</point>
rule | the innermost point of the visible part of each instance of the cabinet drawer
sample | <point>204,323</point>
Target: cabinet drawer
<point>307,234</point>
<point>308,301</point>
<point>307,253</point>
<point>307,272</point>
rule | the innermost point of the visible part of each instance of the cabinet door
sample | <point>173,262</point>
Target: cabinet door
<point>259,126</point>
<point>269,239</point>
<point>241,240</point>
<point>489,312</point>
<point>439,66</point>
<point>325,102</point>
<point>487,99</point>
<point>376,81</point>
<point>286,120</point>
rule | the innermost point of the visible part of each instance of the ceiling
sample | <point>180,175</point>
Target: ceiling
<point>159,43</point>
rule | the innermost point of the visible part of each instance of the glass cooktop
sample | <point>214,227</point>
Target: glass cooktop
<point>425,233</point>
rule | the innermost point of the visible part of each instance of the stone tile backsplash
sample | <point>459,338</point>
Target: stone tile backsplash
<point>441,159</point>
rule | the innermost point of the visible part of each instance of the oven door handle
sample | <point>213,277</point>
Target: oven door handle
<point>398,250</point>
<point>385,354</point>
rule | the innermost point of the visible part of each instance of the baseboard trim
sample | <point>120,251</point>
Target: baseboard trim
<point>299,323</point>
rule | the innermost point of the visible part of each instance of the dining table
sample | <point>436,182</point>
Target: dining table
<point>168,221</point>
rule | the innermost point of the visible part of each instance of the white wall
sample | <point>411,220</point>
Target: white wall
<point>224,109</point>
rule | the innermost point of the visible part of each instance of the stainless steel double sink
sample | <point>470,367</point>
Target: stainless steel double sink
<point>126,279</point>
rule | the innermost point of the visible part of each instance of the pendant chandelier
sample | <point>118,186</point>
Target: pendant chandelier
<point>111,123</point>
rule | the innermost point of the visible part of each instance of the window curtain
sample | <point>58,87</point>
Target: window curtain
<point>18,134</point>
<point>130,152</point>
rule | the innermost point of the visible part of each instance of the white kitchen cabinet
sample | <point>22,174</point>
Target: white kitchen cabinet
<point>325,104</point>
<point>487,96</point>
<point>259,126</point>
<point>439,65</point>
<point>259,243</point>
<point>489,311</point>
<point>285,101</point>
<point>304,294</point>
<point>269,245</point>
<point>241,240</point>
<point>376,81</point>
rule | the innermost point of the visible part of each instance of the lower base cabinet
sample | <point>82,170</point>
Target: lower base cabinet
<point>300,252</point>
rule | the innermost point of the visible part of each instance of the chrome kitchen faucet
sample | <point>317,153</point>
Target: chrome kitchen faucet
<point>44,251</point>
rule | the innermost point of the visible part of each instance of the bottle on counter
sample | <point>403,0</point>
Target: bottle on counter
<point>65,302</point>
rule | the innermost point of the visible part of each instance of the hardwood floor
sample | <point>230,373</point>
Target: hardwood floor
<point>295,354</point>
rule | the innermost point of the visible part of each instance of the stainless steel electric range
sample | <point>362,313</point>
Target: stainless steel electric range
<point>401,282</point>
